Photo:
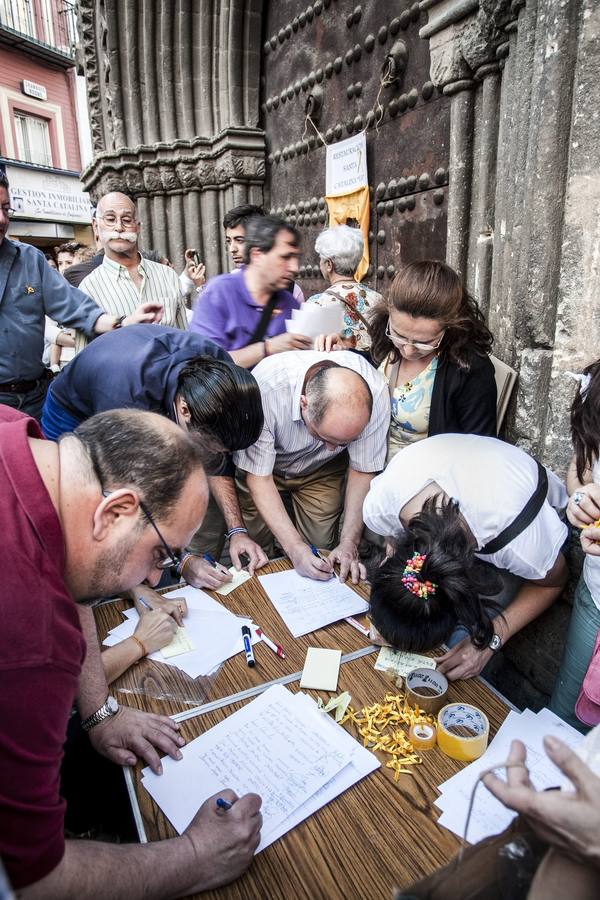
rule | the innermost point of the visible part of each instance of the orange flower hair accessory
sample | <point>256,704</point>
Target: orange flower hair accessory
<point>411,580</point>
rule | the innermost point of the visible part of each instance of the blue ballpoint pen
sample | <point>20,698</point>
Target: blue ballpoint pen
<point>216,565</point>
<point>316,553</point>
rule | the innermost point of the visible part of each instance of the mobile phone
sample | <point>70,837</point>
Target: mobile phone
<point>196,257</point>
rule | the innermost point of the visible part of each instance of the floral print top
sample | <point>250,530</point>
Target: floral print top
<point>411,405</point>
<point>358,297</point>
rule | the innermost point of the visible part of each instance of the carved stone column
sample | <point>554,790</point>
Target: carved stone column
<point>463,35</point>
<point>173,93</point>
<point>531,253</point>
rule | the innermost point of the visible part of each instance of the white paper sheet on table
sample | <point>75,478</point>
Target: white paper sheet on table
<point>306,605</point>
<point>299,761</point>
<point>489,816</point>
<point>362,763</point>
<point>215,632</point>
<point>312,320</point>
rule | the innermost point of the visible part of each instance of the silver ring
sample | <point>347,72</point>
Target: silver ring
<point>578,497</point>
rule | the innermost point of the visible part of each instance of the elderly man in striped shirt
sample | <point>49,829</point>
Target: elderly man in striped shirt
<point>326,423</point>
<point>125,282</point>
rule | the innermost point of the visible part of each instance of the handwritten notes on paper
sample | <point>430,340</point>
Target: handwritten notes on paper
<point>181,643</point>
<point>402,662</point>
<point>306,605</point>
<point>239,577</point>
<point>278,746</point>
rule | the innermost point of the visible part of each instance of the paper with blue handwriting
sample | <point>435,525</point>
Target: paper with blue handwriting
<point>269,747</point>
<point>306,605</point>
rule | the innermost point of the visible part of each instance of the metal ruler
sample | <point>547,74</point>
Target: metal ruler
<point>259,688</point>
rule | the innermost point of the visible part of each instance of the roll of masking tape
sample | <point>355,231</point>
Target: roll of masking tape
<point>426,689</point>
<point>422,736</point>
<point>463,731</point>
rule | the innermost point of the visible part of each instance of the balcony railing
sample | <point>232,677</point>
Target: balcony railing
<point>45,23</point>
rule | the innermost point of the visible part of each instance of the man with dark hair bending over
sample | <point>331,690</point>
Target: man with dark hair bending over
<point>444,504</point>
<point>191,381</point>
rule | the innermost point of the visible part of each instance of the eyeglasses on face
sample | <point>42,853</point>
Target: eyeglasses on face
<point>110,219</point>
<point>8,211</point>
<point>171,559</point>
<point>399,341</point>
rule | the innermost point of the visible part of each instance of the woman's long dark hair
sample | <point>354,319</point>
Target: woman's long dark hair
<point>419,624</point>
<point>585,422</point>
<point>431,289</point>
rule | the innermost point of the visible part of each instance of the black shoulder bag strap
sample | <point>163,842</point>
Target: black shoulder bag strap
<point>263,322</point>
<point>524,518</point>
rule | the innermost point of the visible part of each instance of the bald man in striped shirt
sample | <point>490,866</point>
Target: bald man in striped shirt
<point>126,283</point>
<point>324,437</point>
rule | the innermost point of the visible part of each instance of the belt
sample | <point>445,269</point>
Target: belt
<point>22,387</point>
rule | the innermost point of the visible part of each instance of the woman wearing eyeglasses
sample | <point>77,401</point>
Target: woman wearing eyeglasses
<point>432,346</point>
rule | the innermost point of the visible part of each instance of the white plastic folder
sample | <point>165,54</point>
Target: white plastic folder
<point>214,631</point>
<point>279,746</point>
<point>306,605</point>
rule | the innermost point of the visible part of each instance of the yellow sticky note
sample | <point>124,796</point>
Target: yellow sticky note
<point>238,578</point>
<point>321,669</point>
<point>181,643</point>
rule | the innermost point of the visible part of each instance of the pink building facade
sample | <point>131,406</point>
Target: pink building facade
<point>43,121</point>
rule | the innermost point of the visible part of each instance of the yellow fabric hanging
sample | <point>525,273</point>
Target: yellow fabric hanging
<point>353,206</point>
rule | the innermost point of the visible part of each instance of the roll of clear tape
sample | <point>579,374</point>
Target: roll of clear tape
<point>463,731</point>
<point>422,736</point>
<point>426,689</point>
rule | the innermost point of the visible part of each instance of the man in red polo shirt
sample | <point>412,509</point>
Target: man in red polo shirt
<point>81,519</point>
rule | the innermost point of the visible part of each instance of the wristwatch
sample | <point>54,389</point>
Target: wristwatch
<point>108,709</point>
<point>495,643</point>
<point>119,322</point>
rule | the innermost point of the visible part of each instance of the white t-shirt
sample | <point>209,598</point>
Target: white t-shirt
<point>492,481</point>
<point>591,564</point>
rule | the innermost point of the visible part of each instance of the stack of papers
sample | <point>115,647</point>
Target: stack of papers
<point>214,632</point>
<point>278,746</point>
<point>306,605</point>
<point>312,320</point>
<point>489,816</point>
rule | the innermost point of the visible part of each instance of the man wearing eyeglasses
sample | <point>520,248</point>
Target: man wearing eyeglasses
<point>30,290</point>
<point>93,515</point>
<point>125,280</point>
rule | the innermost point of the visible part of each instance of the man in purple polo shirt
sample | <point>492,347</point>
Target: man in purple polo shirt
<point>245,313</point>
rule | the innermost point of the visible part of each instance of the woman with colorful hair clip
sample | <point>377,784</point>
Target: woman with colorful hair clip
<point>474,548</point>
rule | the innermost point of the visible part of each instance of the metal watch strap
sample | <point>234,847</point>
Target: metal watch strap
<point>106,711</point>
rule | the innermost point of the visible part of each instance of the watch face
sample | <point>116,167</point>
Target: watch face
<point>495,643</point>
<point>112,705</point>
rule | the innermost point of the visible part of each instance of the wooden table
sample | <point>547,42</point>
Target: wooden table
<point>379,834</point>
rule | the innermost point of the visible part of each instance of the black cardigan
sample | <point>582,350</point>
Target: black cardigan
<point>463,401</point>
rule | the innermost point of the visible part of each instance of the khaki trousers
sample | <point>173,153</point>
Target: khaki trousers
<point>210,538</point>
<point>315,502</point>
